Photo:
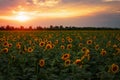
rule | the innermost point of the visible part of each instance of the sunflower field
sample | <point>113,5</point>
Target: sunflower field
<point>60,55</point>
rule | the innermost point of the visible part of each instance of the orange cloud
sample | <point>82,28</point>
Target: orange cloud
<point>65,12</point>
<point>44,3</point>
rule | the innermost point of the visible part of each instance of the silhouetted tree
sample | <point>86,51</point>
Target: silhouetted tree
<point>7,27</point>
<point>21,27</point>
<point>39,28</point>
<point>30,27</point>
<point>56,27</point>
<point>61,27</point>
<point>51,26</point>
<point>2,28</point>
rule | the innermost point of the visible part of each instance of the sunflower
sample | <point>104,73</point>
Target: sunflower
<point>49,42</point>
<point>114,46</point>
<point>62,47</point>
<point>30,49</point>
<point>45,40</point>
<point>108,44</point>
<point>114,68</point>
<point>83,49</point>
<point>69,46</point>
<point>41,62</point>
<point>89,42</point>
<point>1,40</point>
<point>10,45</point>
<point>65,56</point>
<point>25,49</point>
<point>5,50</point>
<point>5,44</point>
<point>41,44</point>
<point>103,52</point>
<point>80,44</point>
<point>77,61</point>
<point>48,46</point>
<point>35,39</point>
<point>18,46</point>
<point>63,40</point>
<point>117,51</point>
<point>97,47</point>
<point>56,42</point>
<point>70,40</point>
<point>94,37</point>
<point>52,46</point>
<point>67,62</point>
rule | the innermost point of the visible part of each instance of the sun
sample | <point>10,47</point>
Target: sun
<point>22,17</point>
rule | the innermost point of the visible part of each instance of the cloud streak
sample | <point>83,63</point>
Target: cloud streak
<point>45,3</point>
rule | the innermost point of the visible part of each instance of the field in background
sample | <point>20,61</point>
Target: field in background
<point>60,55</point>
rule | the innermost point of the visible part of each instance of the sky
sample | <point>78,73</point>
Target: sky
<point>81,13</point>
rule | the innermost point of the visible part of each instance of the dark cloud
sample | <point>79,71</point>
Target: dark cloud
<point>4,4</point>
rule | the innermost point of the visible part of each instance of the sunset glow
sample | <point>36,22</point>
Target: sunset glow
<point>21,17</point>
<point>59,13</point>
<point>46,12</point>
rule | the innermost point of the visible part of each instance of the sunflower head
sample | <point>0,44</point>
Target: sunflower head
<point>5,50</point>
<point>10,45</point>
<point>62,47</point>
<point>77,61</point>
<point>48,46</point>
<point>89,42</point>
<point>108,44</point>
<point>96,47</point>
<point>56,41</point>
<point>41,44</point>
<point>63,40</point>
<point>103,52</point>
<point>49,42</point>
<point>18,46</point>
<point>69,46</point>
<point>114,46</point>
<point>80,44</point>
<point>70,40</point>
<point>41,62</point>
<point>5,44</point>
<point>114,68</point>
<point>117,51</point>
<point>67,62</point>
<point>65,56</point>
<point>30,49</point>
<point>83,49</point>
<point>94,37</point>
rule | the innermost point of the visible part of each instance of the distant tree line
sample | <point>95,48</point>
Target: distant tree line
<point>51,27</point>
